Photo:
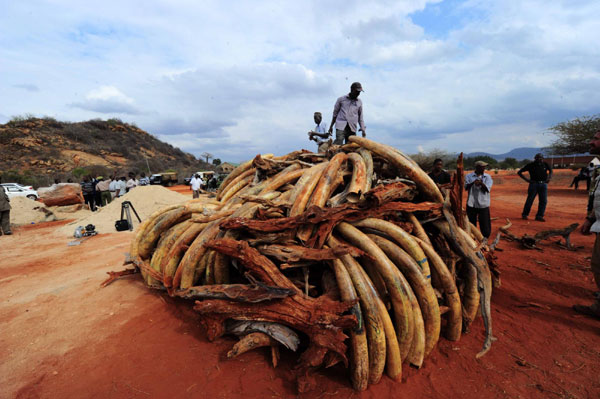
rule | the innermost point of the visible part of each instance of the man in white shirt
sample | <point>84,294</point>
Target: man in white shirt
<point>479,185</point>
<point>319,133</point>
<point>195,184</point>
<point>121,187</point>
<point>348,115</point>
<point>132,182</point>
<point>112,187</point>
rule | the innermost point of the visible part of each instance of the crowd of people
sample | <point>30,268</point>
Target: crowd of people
<point>99,191</point>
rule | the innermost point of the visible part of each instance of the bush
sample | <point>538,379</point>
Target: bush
<point>114,121</point>
<point>25,178</point>
<point>79,172</point>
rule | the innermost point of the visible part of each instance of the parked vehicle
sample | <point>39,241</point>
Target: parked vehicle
<point>17,185</point>
<point>17,190</point>
<point>204,175</point>
<point>166,179</point>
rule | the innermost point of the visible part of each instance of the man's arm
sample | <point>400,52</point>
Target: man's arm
<point>336,110</point>
<point>468,182</point>
<point>520,173</point>
<point>322,135</point>
<point>486,183</point>
<point>361,122</point>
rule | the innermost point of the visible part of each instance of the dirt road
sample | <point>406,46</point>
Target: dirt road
<point>64,336</point>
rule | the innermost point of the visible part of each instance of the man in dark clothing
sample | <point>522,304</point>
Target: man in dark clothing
<point>4,212</point>
<point>89,192</point>
<point>438,174</point>
<point>584,174</point>
<point>540,174</point>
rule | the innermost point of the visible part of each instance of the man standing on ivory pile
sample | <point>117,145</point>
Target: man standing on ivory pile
<point>348,115</point>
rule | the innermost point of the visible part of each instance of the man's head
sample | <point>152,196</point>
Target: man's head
<point>595,144</point>
<point>131,175</point>
<point>438,164</point>
<point>538,157</point>
<point>480,167</point>
<point>318,117</point>
<point>355,89</point>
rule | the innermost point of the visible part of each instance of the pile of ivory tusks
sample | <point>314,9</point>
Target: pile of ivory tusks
<point>280,226</point>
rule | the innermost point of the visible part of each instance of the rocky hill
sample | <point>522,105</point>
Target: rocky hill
<point>45,149</point>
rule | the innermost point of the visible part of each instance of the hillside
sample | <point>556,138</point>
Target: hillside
<point>45,149</point>
<point>519,154</point>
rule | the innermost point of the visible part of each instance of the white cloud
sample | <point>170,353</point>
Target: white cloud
<point>107,100</point>
<point>238,78</point>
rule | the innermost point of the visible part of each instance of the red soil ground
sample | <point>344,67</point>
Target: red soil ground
<point>64,336</point>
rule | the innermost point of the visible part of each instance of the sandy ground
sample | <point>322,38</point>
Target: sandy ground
<point>64,336</point>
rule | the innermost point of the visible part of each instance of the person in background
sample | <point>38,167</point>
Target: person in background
<point>97,200</point>
<point>4,212</point>
<point>103,187</point>
<point>479,184</point>
<point>212,183</point>
<point>56,181</point>
<point>121,187</point>
<point>144,181</point>
<point>584,174</point>
<point>540,174</point>
<point>347,115</point>
<point>112,187</point>
<point>87,188</point>
<point>195,184</point>
<point>132,182</point>
<point>319,133</point>
<point>438,174</point>
<point>592,225</point>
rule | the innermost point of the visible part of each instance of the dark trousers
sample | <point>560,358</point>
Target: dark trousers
<point>106,198</point>
<point>90,200</point>
<point>5,222</point>
<point>341,136</point>
<point>485,222</point>
<point>536,188</point>
<point>576,180</point>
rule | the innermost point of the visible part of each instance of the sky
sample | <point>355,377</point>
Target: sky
<point>238,78</point>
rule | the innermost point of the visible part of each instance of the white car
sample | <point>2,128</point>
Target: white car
<point>17,190</point>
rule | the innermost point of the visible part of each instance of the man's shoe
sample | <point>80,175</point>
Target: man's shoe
<point>540,219</point>
<point>8,233</point>
<point>524,217</point>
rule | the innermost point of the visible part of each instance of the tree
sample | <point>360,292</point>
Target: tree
<point>525,162</point>
<point>207,155</point>
<point>216,161</point>
<point>509,163</point>
<point>469,162</point>
<point>574,135</point>
<point>425,159</point>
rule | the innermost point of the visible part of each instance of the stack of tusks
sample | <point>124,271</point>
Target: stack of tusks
<point>305,243</point>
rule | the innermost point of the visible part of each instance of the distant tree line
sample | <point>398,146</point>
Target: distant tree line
<point>425,160</point>
<point>573,136</point>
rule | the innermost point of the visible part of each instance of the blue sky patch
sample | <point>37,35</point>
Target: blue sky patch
<point>439,19</point>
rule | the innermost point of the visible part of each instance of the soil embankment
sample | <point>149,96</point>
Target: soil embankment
<point>64,336</point>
